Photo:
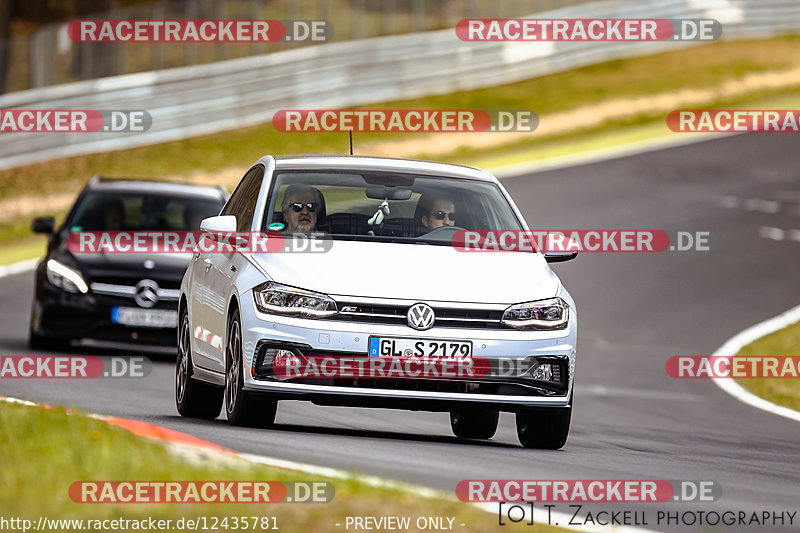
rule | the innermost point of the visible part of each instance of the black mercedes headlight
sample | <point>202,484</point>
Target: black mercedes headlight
<point>65,278</point>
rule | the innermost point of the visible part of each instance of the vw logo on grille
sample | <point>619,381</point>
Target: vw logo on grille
<point>421,316</point>
<point>146,294</point>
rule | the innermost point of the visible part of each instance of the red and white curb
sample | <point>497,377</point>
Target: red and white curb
<point>195,450</point>
<point>734,345</point>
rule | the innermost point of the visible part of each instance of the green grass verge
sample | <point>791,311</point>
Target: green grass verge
<point>22,249</point>
<point>614,133</point>
<point>45,450</point>
<point>783,391</point>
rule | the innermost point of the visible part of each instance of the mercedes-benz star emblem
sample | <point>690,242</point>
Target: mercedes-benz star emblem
<point>421,316</point>
<point>146,294</point>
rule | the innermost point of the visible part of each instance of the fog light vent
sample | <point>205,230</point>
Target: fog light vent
<point>268,357</point>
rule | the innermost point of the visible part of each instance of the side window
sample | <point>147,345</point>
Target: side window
<point>245,208</point>
<point>236,197</point>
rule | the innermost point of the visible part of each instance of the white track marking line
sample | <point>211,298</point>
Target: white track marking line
<point>18,268</point>
<point>17,401</point>
<point>603,390</point>
<point>733,345</point>
<point>765,206</point>
<point>773,234</point>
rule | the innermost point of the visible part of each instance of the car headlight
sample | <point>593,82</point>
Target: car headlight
<point>552,313</point>
<point>281,299</point>
<point>65,278</point>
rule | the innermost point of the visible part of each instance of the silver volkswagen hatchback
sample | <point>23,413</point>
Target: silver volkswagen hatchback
<point>361,293</point>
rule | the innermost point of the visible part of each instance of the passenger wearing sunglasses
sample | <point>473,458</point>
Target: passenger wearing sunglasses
<point>442,212</point>
<point>301,208</point>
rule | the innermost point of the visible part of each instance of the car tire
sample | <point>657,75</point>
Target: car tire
<point>37,342</point>
<point>241,407</point>
<point>544,429</point>
<point>474,423</point>
<point>40,342</point>
<point>193,398</point>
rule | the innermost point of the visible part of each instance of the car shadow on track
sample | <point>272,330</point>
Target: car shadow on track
<point>317,430</point>
<point>155,354</point>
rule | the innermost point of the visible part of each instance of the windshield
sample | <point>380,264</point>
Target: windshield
<point>141,212</point>
<point>385,206</point>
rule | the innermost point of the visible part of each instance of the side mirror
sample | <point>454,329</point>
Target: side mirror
<point>559,257</point>
<point>560,248</point>
<point>221,229</point>
<point>43,225</point>
<point>219,224</point>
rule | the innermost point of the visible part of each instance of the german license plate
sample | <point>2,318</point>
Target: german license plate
<point>410,347</point>
<point>148,318</point>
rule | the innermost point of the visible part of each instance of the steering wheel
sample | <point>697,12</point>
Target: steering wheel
<point>443,232</point>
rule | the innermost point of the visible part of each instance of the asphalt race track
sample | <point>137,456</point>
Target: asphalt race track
<point>631,420</point>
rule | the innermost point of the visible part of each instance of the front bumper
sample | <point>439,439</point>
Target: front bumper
<point>336,338</point>
<point>57,314</point>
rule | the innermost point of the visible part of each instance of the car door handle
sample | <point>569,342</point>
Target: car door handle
<point>207,261</point>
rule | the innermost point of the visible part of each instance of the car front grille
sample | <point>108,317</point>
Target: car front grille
<point>129,291</point>
<point>446,317</point>
<point>132,280</point>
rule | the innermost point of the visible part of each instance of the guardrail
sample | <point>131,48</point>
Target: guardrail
<point>49,57</point>
<point>190,101</point>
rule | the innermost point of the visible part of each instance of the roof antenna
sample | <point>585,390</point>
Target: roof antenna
<point>351,142</point>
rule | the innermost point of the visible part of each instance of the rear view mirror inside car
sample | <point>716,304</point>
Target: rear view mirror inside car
<point>381,192</point>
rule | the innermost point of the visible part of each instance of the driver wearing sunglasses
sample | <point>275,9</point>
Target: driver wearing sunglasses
<point>301,207</point>
<point>442,212</point>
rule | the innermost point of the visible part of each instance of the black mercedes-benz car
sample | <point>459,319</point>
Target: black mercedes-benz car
<point>108,299</point>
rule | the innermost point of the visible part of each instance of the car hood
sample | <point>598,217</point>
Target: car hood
<point>416,272</point>
<point>163,266</point>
